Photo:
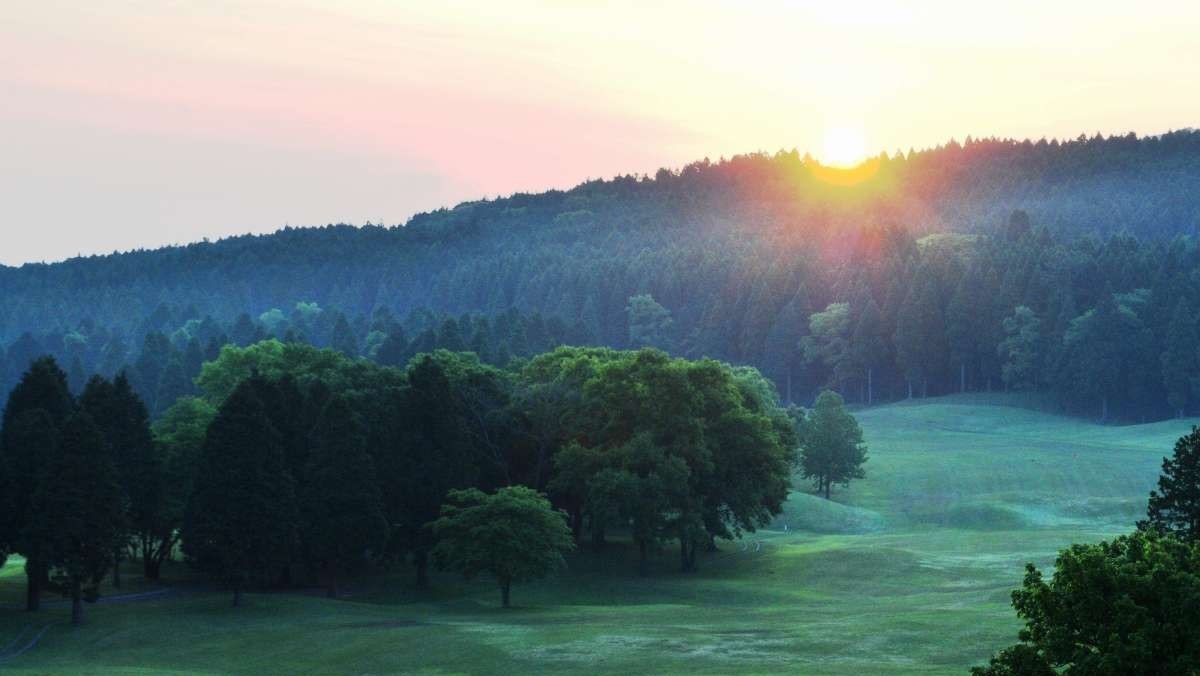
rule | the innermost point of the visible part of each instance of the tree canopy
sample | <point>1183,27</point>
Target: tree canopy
<point>513,535</point>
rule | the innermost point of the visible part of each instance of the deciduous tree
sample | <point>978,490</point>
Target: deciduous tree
<point>513,535</point>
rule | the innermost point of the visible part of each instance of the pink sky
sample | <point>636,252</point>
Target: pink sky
<point>136,124</point>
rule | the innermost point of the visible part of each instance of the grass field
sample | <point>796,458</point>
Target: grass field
<point>906,572</point>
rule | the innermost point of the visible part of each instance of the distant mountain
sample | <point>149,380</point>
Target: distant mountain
<point>728,248</point>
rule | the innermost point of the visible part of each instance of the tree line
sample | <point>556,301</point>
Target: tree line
<point>300,465</point>
<point>740,252</point>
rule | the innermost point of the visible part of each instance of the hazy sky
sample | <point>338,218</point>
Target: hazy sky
<point>131,124</point>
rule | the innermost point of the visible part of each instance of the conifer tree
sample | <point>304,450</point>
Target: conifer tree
<point>1179,360</point>
<point>1175,506</point>
<point>241,519</point>
<point>342,509</point>
<point>869,345</point>
<point>77,514</point>
<point>125,425</point>
<point>343,339</point>
<point>36,410</point>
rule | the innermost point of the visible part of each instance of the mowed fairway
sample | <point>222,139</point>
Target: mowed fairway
<point>906,572</point>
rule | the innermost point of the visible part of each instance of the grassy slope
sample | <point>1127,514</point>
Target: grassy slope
<point>906,572</point>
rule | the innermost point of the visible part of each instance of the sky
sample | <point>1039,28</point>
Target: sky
<point>134,124</point>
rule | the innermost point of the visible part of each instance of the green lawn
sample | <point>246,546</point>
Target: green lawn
<point>906,572</point>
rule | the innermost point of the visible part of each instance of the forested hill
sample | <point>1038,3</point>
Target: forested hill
<point>733,259</point>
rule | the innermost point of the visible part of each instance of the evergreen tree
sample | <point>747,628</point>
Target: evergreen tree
<point>147,371</point>
<point>450,337</point>
<point>1175,506</point>
<point>343,338</point>
<point>77,513</point>
<point>342,508</point>
<point>828,342</point>
<point>650,324</point>
<point>124,424</point>
<point>920,334</point>
<point>393,351</point>
<point>1021,349</point>
<point>241,518</point>
<point>1180,364</point>
<point>869,346</point>
<point>36,410</point>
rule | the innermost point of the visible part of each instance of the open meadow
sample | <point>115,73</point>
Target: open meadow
<point>906,572</point>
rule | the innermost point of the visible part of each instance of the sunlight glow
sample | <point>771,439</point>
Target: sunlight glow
<point>843,147</point>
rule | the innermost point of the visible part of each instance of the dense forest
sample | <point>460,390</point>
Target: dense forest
<point>296,465</point>
<point>1060,267</point>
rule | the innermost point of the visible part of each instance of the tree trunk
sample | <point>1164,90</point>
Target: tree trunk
<point>577,524</point>
<point>33,584</point>
<point>687,556</point>
<point>642,569</point>
<point>76,603</point>
<point>117,568</point>
<point>421,559</point>
<point>827,484</point>
<point>153,569</point>
<point>504,588</point>
<point>597,536</point>
<point>870,386</point>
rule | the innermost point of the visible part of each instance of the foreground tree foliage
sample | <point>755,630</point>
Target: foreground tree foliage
<point>831,443</point>
<point>1130,606</point>
<point>1175,506</point>
<point>241,518</point>
<point>513,535</point>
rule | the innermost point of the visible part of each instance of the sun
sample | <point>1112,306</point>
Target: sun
<point>844,147</point>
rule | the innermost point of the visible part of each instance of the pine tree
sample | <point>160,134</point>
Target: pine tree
<point>37,409</point>
<point>343,339</point>
<point>1180,365</point>
<point>869,345</point>
<point>125,425</point>
<point>342,508</point>
<point>450,337</point>
<point>1021,349</point>
<point>1175,506</point>
<point>241,518</point>
<point>77,513</point>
